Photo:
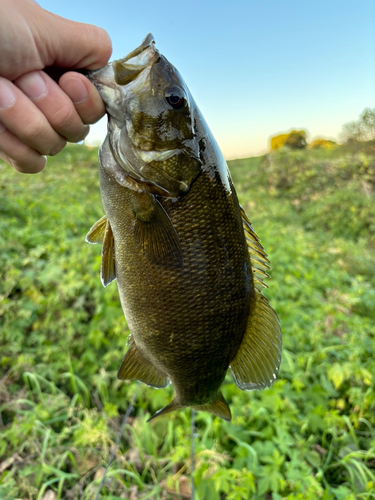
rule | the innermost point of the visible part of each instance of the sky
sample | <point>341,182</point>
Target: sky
<point>256,68</point>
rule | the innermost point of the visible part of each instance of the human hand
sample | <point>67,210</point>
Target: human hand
<point>37,115</point>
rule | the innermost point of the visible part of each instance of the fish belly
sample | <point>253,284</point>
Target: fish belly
<point>188,321</point>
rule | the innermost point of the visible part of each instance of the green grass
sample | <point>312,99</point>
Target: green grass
<point>62,338</point>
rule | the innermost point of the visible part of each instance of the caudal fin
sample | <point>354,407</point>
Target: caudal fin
<point>167,409</point>
<point>219,408</point>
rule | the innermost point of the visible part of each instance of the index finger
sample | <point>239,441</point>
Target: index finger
<point>84,95</point>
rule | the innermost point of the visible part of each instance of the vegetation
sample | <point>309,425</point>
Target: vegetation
<point>360,135</point>
<point>296,139</point>
<point>362,130</point>
<point>62,337</point>
<point>322,143</point>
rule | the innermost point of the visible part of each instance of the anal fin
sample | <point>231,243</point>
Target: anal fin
<point>257,361</point>
<point>135,366</point>
<point>219,408</point>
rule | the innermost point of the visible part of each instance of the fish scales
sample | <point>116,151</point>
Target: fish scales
<point>174,238</point>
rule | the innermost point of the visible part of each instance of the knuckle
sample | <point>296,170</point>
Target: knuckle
<point>103,43</point>
<point>67,122</point>
<point>64,117</point>
<point>33,132</point>
<point>57,147</point>
<point>83,135</point>
<point>27,162</point>
<point>106,44</point>
<point>91,114</point>
<point>40,136</point>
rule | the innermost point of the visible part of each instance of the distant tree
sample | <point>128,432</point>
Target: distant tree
<point>322,144</point>
<point>278,141</point>
<point>362,130</point>
<point>296,139</point>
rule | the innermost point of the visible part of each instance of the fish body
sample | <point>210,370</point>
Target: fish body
<point>187,262</point>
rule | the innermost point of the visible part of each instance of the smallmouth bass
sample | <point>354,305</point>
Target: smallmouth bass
<point>188,264</point>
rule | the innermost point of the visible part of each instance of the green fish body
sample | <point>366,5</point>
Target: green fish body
<point>188,264</point>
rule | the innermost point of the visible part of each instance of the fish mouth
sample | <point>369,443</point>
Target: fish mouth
<point>129,67</point>
<point>125,70</point>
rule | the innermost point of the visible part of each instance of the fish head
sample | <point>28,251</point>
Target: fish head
<point>151,124</point>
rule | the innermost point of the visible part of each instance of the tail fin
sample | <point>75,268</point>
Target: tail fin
<point>219,408</point>
<point>167,409</point>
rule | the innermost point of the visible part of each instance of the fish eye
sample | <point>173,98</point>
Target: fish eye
<point>175,97</point>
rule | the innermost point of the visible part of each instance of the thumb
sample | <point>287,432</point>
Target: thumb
<point>69,44</point>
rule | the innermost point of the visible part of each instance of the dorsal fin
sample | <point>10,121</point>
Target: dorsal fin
<point>257,361</point>
<point>258,257</point>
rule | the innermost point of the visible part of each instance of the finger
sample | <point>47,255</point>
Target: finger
<point>19,155</point>
<point>19,115</point>
<point>76,45</point>
<point>55,105</point>
<point>84,95</point>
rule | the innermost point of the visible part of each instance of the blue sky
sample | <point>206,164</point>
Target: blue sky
<point>255,68</point>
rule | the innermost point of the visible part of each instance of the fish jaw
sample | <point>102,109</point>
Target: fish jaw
<point>129,67</point>
<point>111,79</point>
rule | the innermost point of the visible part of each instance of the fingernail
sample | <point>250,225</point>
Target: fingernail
<point>7,97</point>
<point>76,90</point>
<point>33,85</point>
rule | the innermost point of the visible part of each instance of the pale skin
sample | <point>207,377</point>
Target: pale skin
<point>37,115</point>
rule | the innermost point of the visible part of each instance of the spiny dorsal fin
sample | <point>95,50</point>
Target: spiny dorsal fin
<point>258,257</point>
<point>107,269</point>
<point>96,233</point>
<point>156,237</point>
<point>257,361</point>
<point>135,366</point>
<point>219,408</point>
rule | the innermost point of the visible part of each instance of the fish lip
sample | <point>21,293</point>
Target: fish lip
<point>139,59</point>
<point>128,68</point>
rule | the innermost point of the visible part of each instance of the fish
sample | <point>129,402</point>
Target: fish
<point>188,263</point>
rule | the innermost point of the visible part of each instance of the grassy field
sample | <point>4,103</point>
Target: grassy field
<point>63,336</point>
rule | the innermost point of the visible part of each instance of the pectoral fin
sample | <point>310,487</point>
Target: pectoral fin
<point>219,408</point>
<point>155,235</point>
<point>96,233</point>
<point>107,269</point>
<point>257,361</point>
<point>135,366</point>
